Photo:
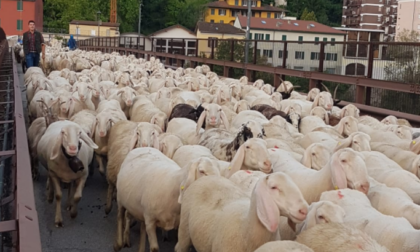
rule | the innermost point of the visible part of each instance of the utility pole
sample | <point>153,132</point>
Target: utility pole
<point>248,23</point>
<point>140,2</point>
<point>98,16</point>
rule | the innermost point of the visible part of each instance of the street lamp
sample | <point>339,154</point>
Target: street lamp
<point>98,16</point>
<point>77,30</point>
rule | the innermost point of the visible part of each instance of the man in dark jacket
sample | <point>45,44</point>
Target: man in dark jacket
<point>32,45</point>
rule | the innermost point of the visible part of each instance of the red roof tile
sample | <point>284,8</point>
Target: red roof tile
<point>288,25</point>
<point>221,4</point>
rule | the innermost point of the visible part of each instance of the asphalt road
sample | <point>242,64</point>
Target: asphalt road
<point>91,230</point>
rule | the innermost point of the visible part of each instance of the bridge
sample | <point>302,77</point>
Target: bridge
<point>26,218</point>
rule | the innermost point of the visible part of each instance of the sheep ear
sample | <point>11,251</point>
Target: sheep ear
<point>235,107</point>
<point>286,110</point>
<point>267,210</point>
<point>327,118</point>
<point>307,158</point>
<point>310,220</point>
<point>159,94</point>
<point>346,143</point>
<point>57,147</point>
<point>415,146</point>
<point>189,179</point>
<point>343,112</point>
<point>156,140</point>
<point>88,140</point>
<point>162,147</point>
<point>201,121</point>
<point>338,177</point>
<point>134,139</point>
<point>340,127</point>
<point>237,161</point>
<point>316,100</point>
<point>224,119</point>
<point>168,95</point>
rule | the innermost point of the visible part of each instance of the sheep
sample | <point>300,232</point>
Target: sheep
<point>309,123</point>
<point>86,120</point>
<point>386,171</point>
<point>187,111</point>
<point>213,115</point>
<point>143,110</point>
<point>283,246</point>
<point>318,213</point>
<point>358,141</point>
<point>103,124</point>
<point>158,178</point>
<point>316,156</point>
<point>345,127</point>
<point>163,101</point>
<point>394,202</point>
<point>193,152</point>
<point>125,136</point>
<point>345,169</point>
<point>321,113</point>
<point>324,100</point>
<point>185,129</point>
<point>246,116</point>
<point>332,237</point>
<point>41,98</point>
<point>169,144</point>
<point>269,112</point>
<point>396,234</point>
<point>65,150</point>
<point>408,160</point>
<point>245,223</point>
<point>125,96</point>
<point>246,180</point>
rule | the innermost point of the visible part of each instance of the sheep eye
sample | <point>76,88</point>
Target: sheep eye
<point>343,161</point>
<point>321,217</point>
<point>313,154</point>
<point>273,188</point>
<point>247,147</point>
<point>355,142</point>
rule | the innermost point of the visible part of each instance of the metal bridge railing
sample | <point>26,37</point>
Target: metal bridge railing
<point>19,227</point>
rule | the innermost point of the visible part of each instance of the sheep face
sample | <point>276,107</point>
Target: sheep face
<point>350,110</point>
<point>322,212</point>
<point>360,141</point>
<point>312,94</point>
<point>294,119</point>
<point>147,135</point>
<point>276,97</point>
<point>403,132</point>
<point>83,89</point>
<point>277,195</point>
<point>389,120</point>
<point>206,98</point>
<point>70,140</point>
<point>267,88</point>
<point>241,106</point>
<point>127,95</point>
<point>321,113</point>
<point>103,124</point>
<point>323,99</point>
<point>169,145</point>
<point>316,156</point>
<point>65,102</point>
<point>349,170</point>
<point>256,155</point>
<point>347,126</point>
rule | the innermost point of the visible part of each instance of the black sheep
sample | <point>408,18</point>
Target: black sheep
<point>187,111</point>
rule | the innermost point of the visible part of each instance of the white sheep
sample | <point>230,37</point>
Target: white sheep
<point>146,175</point>
<point>66,151</point>
<point>169,144</point>
<point>316,156</point>
<point>143,110</point>
<point>245,223</point>
<point>283,246</point>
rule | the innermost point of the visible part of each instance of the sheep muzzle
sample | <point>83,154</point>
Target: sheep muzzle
<point>74,162</point>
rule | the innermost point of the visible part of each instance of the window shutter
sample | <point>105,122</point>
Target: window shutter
<point>267,36</point>
<point>284,37</point>
<point>250,36</point>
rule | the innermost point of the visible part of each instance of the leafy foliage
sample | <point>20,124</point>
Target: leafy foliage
<point>327,12</point>
<point>306,15</point>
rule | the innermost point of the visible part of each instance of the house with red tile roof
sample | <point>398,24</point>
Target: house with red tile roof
<point>300,56</point>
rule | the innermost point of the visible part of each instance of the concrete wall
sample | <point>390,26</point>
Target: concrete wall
<point>408,16</point>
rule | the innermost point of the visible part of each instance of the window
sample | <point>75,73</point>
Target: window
<point>244,3</point>
<point>277,15</point>
<point>222,12</point>
<point>361,18</point>
<point>221,21</point>
<point>298,68</point>
<point>332,41</point>
<point>20,25</point>
<point>316,40</point>
<point>267,36</point>
<point>325,39</point>
<point>379,19</point>
<point>300,39</point>
<point>253,3</point>
<point>281,54</point>
<point>330,70</point>
<point>211,41</point>
<point>212,11</point>
<point>236,2</point>
<point>92,32</point>
<point>331,56</point>
<point>313,69</point>
<point>20,5</point>
<point>212,21</point>
<point>284,37</point>
<point>259,52</point>
<point>78,30</point>
<point>314,56</point>
<point>269,15</point>
<point>108,32</point>
<point>268,53</point>
<point>259,36</point>
<point>250,36</point>
<point>299,55</point>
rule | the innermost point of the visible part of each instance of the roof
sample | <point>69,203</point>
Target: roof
<point>135,34</point>
<point>222,4</point>
<point>172,27</point>
<point>358,29</point>
<point>218,28</point>
<point>84,22</point>
<point>288,25</point>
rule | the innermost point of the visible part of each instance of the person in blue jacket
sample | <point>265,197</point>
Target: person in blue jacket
<point>72,43</point>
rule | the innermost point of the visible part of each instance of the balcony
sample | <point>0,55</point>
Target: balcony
<point>352,12</point>
<point>354,3</point>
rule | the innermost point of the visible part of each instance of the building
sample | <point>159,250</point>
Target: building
<point>225,11</point>
<point>15,15</point>
<point>91,28</point>
<point>174,39</point>
<point>371,15</point>
<point>130,39</point>
<point>411,20</point>
<point>211,32</point>
<point>303,56</point>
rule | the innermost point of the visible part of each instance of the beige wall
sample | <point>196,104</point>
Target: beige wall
<point>407,10</point>
<point>90,30</point>
<point>203,47</point>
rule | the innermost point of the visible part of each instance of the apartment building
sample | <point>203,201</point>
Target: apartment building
<point>15,15</point>
<point>371,15</point>
<point>225,11</point>
<point>411,18</point>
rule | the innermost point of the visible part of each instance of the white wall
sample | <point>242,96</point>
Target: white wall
<point>175,33</point>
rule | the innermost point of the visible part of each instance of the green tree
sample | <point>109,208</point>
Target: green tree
<point>306,15</point>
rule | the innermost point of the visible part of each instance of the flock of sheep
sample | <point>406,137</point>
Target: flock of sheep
<point>232,166</point>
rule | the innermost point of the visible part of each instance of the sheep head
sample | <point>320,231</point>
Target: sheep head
<point>358,141</point>
<point>127,95</point>
<point>316,156</point>
<point>146,135</point>
<point>323,100</point>
<point>321,212</point>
